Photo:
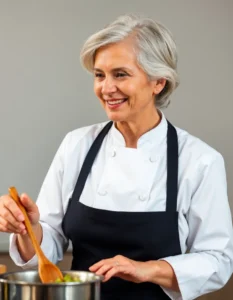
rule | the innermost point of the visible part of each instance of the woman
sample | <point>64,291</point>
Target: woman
<point>144,203</point>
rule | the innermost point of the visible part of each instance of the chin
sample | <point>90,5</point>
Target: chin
<point>116,117</point>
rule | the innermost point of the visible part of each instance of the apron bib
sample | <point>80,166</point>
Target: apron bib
<point>99,234</point>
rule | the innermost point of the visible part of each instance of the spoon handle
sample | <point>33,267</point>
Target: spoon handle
<point>14,195</point>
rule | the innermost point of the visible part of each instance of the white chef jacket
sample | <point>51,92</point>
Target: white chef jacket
<point>128,179</point>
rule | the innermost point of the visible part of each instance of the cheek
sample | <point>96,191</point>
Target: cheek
<point>135,88</point>
<point>133,92</point>
<point>128,90</point>
<point>97,90</point>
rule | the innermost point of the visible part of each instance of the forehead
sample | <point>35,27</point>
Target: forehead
<point>114,55</point>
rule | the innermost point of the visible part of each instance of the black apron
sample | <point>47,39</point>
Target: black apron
<point>142,236</point>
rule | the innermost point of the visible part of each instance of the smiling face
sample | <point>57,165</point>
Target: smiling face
<point>122,86</point>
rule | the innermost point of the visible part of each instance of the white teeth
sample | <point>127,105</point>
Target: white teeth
<point>116,101</point>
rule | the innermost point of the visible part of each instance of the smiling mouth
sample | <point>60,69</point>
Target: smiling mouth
<point>118,101</point>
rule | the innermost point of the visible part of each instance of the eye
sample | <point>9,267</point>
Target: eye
<point>99,75</point>
<point>120,74</point>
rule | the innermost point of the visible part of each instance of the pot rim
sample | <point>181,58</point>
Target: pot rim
<point>98,278</point>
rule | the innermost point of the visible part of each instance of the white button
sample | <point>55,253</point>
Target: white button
<point>152,159</point>
<point>102,193</point>
<point>142,198</point>
<point>113,153</point>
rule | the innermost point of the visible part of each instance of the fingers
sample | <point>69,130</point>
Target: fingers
<point>10,205</point>
<point>7,227</point>
<point>27,202</point>
<point>103,270</point>
<point>118,259</point>
<point>105,267</point>
<point>110,268</point>
<point>96,266</point>
<point>31,208</point>
<point>10,216</point>
<point>120,266</point>
<point>114,271</point>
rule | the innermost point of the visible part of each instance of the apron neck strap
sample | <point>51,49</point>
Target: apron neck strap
<point>172,168</point>
<point>89,160</point>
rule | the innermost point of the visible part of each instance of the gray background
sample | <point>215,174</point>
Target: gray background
<point>44,92</point>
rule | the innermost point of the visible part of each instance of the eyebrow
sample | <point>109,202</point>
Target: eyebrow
<point>114,70</point>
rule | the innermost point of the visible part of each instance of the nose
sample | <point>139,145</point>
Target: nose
<point>108,86</point>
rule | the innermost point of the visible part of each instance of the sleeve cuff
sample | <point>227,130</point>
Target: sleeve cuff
<point>192,271</point>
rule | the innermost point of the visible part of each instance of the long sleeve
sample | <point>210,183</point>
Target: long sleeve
<point>208,263</point>
<point>51,209</point>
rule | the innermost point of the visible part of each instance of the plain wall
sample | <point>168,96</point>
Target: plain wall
<point>44,92</point>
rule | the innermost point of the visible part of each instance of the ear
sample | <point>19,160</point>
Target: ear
<point>159,85</point>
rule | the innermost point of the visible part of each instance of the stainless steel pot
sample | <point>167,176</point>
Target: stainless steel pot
<point>26,285</point>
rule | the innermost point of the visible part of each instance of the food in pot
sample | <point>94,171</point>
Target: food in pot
<point>68,278</point>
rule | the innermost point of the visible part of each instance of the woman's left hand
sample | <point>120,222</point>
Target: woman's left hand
<point>123,267</point>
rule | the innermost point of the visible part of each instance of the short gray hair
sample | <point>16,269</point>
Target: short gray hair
<point>156,49</point>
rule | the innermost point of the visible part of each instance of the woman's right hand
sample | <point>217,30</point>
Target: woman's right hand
<point>11,217</point>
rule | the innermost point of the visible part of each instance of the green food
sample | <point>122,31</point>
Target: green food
<point>68,278</point>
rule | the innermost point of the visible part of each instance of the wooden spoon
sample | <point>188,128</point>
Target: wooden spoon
<point>2,269</point>
<point>48,272</point>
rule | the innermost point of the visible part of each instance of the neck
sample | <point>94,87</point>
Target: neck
<point>133,130</point>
